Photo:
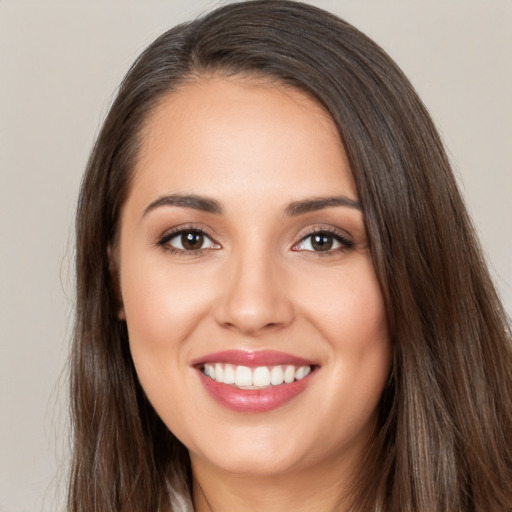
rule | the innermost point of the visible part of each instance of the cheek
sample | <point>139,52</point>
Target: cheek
<point>358,331</point>
<point>162,305</point>
<point>350,314</point>
<point>162,308</point>
<point>346,306</point>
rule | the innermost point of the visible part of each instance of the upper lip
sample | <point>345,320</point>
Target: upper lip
<point>252,359</point>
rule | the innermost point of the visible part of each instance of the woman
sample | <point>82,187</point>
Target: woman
<point>281,301</point>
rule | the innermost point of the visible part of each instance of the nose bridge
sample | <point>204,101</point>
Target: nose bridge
<point>253,298</point>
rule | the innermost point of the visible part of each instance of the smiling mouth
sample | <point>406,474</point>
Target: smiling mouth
<point>254,381</point>
<point>260,377</point>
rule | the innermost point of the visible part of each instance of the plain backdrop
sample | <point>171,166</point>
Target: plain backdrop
<point>60,64</point>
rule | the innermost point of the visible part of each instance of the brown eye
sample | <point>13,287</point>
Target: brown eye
<point>188,241</point>
<point>192,241</point>
<point>322,242</point>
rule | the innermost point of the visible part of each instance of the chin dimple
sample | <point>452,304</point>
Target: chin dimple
<point>260,377</point>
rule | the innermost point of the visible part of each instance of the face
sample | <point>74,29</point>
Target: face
<point>255,319</point>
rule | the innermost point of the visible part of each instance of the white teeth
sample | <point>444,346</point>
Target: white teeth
<point>255,378</point>
<point>276,376</point>
<point>219,373</point>
<point>243,376</point>
<point>300,373</point>
<point>229,374</point>
<point>289,374</point>
<point>210,370</point>
<point>261,377</point>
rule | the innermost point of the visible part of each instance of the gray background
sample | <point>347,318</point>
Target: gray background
<point>60,63</point>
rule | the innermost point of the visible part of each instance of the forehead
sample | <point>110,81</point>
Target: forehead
<point>240,137</point>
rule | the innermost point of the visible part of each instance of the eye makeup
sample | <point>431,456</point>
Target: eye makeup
<point>190,240</point>
<point>187,240</point>
<point>324,241</point>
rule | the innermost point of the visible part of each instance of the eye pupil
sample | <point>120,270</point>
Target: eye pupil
<point>321,242</point>
<point>192,241</point>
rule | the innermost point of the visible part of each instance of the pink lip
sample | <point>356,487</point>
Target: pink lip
<point>253,400</point>
<point>252,359</point>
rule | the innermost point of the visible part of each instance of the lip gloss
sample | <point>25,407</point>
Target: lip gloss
<point>253,400</point>
<point>253,359</point>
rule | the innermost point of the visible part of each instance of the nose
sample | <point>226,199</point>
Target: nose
<point>253,297</point>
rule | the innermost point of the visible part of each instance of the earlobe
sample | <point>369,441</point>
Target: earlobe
<point>114,276</point>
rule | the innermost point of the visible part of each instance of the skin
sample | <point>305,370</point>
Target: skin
<point>256,283</point>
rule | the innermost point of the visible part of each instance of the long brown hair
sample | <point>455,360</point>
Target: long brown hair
<point>445,419</point>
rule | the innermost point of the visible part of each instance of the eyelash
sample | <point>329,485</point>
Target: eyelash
<point>183,230</point>
<point>345,243</point>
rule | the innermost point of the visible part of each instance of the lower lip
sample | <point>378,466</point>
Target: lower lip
<point>253,400</point>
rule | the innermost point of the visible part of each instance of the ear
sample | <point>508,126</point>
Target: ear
<point>114,275</point>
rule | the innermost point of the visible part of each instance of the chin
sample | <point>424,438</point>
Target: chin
<point>257,462</point>
<point>261,450</point>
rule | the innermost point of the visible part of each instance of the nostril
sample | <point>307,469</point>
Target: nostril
<point>251,313</point>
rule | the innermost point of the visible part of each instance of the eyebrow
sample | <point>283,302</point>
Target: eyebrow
<point>208,205</point>
<point>312,205</point>
<point>203,204</point>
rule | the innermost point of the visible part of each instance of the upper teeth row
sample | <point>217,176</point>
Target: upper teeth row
<point>259,377</point>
